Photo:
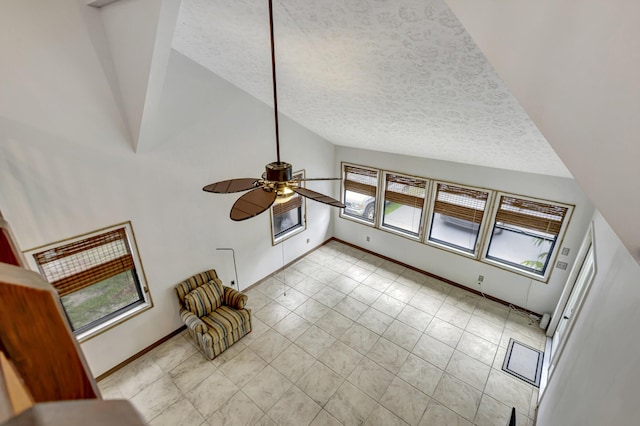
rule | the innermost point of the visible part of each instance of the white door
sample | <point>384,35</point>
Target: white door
<point>566,321</point>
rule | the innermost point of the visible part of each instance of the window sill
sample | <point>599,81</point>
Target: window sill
<point>451,249</point>
<point>540,278</point>
<point>101,328</point>
<point>357,220</point>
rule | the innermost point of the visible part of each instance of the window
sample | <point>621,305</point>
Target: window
<point>360,187</point>
<point>457,217</point>
<point>403,203</point>
<point>98,277</point>
<point>525,233</point>
<point>288,218</point>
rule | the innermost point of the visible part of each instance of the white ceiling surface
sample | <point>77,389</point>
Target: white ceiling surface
<point>394,76</point>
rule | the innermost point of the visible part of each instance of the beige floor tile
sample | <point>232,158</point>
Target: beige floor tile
<point>477,348</point>
<point>425,302</point>
<point>359,338</point>
<point>334,323</point>
<point>211,393</point>
<point>377,282</point>
<point>401,292</point>
<point>371,378</point>
<point>390,270</point>
<point>291,298</point>
<point>350,405</point>
<point>136,376</point>
<point>388,355</point>
<point>486,329</point>
<point>258,328</point>
<point>357,272</point>
<point>315,341</point>
<point>492,412</point>
<point>453,315</point>
<point>437,414</point>
<point>264,421</point>
<point>156,397</point>
<point>351,308</point>
<point>267,387</point>
<point>180,413</point>
<point>243,367</point>
<point>256,300</point>
<point>509,390</point>
<point>469,370</point>
<point>402,335</point>
<point>420,374</point>
<point>433,351</point>
<point>375,320</point>
<point>292,326</point>
<point>381,416</point>
<point>445,332</point>
<point>192,371</point>
<point>328,296</point>
<point>239,410</point>
<point>232,351</point>
<point>270,345</point>
<point>492,311</point>
<point>405,401</point>
<point>174,352</point>
<point>341,358</point>
<point>458,396</point>
<point>294,409</point>
<point>320,383</point>
<point>462,299</point>
<point>309,286</point>
<point>325,419</point>
<point>365,294</point>
<point>312,310</point>
<point>388,305</point>
<point>271,313</point>
<point>415,318</point>
<point>344,284</point>
<point>293,362</point>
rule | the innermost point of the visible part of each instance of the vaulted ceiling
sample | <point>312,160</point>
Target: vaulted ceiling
<point>394,76</point>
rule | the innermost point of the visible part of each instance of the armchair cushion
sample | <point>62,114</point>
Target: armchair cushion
<point>234,298</point>
<point>204,299</point>
<point>226,321</point>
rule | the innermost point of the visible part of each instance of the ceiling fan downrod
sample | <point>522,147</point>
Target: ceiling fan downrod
<point>275,90</point>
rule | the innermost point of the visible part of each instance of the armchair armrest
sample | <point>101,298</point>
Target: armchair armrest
<point>233,298</point>
<point>193,322</point>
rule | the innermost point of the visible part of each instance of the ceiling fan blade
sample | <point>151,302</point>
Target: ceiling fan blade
<point>316,196</point>
<point>231,185</point>
<point>308,179</point>
<point>252,204</point>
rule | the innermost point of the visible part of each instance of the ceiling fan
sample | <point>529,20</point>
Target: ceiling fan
<point>277,184</point>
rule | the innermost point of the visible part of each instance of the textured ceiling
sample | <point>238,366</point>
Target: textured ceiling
<point>387,75</point>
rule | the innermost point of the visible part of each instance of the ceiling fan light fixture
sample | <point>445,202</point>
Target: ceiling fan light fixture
<point>283,194</point>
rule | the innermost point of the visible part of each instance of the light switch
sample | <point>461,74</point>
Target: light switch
<point>561,265</point>
<point>565,251</point>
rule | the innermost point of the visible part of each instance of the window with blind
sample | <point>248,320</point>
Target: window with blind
<point>96,276</point>
<point>360,189</point>
<point>288,218</point>
<point>403,203</point>
<point>456,217</point>
<point>525,233</point>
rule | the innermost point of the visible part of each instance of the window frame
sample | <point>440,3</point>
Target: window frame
<point>302,215</point>
<point>553,254</point>
<point>482,229</point>
<point>121,315</point>
<point>376,198</point>
<point>382,180</point>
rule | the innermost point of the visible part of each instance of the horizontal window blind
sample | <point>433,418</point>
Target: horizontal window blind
<point>405,190</point>
<point>77,265</point>
<point>362,181</point>
<point>461,203</point>
<point>541,217</point>
<point>293,203</point>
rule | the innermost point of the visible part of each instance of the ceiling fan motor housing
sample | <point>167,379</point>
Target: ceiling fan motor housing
<point>279,172</point>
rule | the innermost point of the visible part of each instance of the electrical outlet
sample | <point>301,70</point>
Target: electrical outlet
<point>233,283</point>
<point>562,265</point>
<point>308,240</point>
<point>480,278</point>
<point>368,238</point>
<point>565,251</point>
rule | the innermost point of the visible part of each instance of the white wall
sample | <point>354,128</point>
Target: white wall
<point>519,290</point>
<point>596,379</point>
<point>67,167</point>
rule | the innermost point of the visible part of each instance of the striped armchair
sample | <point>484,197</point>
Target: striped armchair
<point>214,314</point>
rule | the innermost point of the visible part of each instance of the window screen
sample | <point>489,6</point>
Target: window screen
<point>360,188</point>
<point>457,216</point>
<point>403,203</point>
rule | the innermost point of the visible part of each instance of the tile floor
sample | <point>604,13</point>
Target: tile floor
<point>356,340</point>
